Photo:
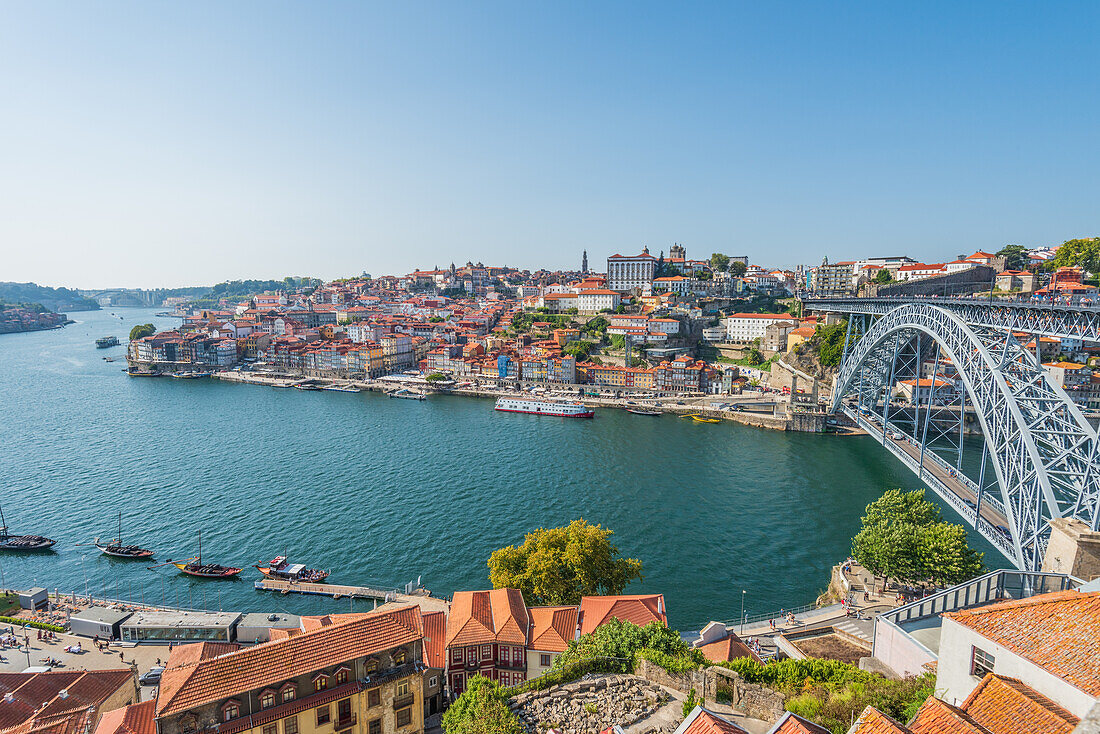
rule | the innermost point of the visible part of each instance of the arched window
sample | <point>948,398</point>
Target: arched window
<point>320,681</point>
<point>267,699</point>
<point>231,710</point>
<point>288,692</point>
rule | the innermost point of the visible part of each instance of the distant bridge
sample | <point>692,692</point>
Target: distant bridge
<point>126,296</point>
<point>1040,458</point>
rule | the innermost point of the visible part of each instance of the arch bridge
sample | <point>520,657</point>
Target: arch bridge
<point>959,368</point>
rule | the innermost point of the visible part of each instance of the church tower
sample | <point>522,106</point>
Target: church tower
<point>584,261</point>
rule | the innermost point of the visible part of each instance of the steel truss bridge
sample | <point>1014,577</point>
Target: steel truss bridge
<point>1039,455</point>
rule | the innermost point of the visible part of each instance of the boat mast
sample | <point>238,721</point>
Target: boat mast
<point>120,528</point>
<point>200,547</point>
<point>3,524</point>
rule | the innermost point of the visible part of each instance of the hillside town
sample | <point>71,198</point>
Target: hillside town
<point>649,325</point>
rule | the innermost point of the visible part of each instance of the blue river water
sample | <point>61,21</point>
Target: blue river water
<point>384,491</point>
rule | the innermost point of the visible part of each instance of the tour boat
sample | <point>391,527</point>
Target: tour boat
<point>116,549</point>
<point>106,341</point>
<point>22,542</point>
<point>407,394</point>
<point>544,407</point>
<point>306,386</point>
<point>340,388</point>
<point>638,411</point>
<point>195,567</point>
<point>278,568</point>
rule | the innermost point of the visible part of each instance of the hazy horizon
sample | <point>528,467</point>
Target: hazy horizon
<point>164,145</point>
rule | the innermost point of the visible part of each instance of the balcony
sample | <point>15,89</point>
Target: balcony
<point>344,722</point>
<point>400,702</point>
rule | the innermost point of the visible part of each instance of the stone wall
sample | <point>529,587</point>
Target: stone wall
<point>751,699</point>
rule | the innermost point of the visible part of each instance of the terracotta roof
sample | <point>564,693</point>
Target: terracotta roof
<point>193,684</point>
<point>487,616</point>
<point>730,647</point>
<point>552,628</point>
<point>937,717</point>
<point>1059,632</point>
<point>701,721</point>
<point>873,721</point>
<point>35,697</point>
<point>198,651</point>
<point>1004,705</point>
<point>435,637</point>
<point>134,719</point>
<point>637,609</point>
<point>791,723</point>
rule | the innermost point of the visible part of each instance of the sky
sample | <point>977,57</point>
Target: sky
<point>185,143</point>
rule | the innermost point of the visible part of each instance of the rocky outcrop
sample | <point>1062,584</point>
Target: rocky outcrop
<point>590,705</point>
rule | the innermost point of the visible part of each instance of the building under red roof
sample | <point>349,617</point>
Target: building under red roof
<point>638,609</point>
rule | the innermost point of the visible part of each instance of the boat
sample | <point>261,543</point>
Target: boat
<point>24,543</point>
<point>106,341</point>
<point>639,411</point>
<point>340,388</point>
<point>195,567</point>
<point>702,418</point>
<point>191,375</point>
<point>544,407</point>
<point>407,394</point>
<point>108,359</point>
<point>278,568</point>
<point>306,386</point>
<point>116,549</point>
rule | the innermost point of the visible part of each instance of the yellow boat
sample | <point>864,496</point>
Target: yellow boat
<point>701,419</point>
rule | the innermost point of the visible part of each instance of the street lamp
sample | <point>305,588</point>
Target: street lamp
<point>742,612</point>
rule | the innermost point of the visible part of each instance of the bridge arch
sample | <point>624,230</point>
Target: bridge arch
<point>1042,449</point>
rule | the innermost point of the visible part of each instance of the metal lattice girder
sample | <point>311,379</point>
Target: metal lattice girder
<point>1055,320</point>
<point>1043,450</point>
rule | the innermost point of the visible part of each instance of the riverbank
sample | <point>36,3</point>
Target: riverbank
<point>724,407</point>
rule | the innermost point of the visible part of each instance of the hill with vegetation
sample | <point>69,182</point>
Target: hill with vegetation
<point>54,299</point>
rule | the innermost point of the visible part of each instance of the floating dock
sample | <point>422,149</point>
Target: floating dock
<point>337,591</point>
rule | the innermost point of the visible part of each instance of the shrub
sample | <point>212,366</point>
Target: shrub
<point>481,709</point>
<point>32,625</point>
<point>623,641</point>
<point>690,702</point>
<point>689,660</point>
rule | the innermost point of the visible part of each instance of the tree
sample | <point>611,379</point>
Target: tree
<point>578,349</point>
<point>436,377</point>
<point>828,342</point>
<point>718,261</point>
<point>1083,253</point>
<point>623,640</point>
<point>481,709</point>
<point>883,277</point>
<point>738,268</point>
<point>560,565</point>
<point>1016,257</point>
<point>754,356</point>
<point>142,330</point>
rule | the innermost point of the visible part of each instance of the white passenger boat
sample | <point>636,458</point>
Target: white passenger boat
<point>544,407</point>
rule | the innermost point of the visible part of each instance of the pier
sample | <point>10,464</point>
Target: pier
<point>337,591</point>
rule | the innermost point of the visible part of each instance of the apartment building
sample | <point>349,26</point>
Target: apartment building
<point>629,272</point>
<point>744,327</point>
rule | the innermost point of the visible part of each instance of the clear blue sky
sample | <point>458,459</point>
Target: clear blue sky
<point>146,144</point>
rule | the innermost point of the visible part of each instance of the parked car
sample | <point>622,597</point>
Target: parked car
<point>152,676</point>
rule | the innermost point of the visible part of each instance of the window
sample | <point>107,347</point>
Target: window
<point>324,714</point>
<point>374,697</point>
<point>230,710</point>
<point>399,657</point>
<point>320,683</point>
<point>404,716</point>
<point>267,699</point>
<point>375,727</point>
<point>189,723</point>
<point>342,676</point>
<point>544,660</point>
<point>486,652</point>
<point>981,662</point>
<point>271,729</point>
<point>504,655</point>
<point>433,681</point>
<point>287,692</point>
<point>372,666</point>
<point>290,725</point>
<point>403,687</point>
<point>456,655</point>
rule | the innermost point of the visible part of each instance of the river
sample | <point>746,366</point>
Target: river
<point>384,491</point>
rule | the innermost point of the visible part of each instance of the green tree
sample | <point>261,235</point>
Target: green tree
<point>618,341</point>
<point>946,557</point>
<point>718,261</point>
<point>623,640</point>
<point>142,330</point>
<point>738,268</point>
<point>754,356</point>
<point>828,342</point>
<point>883,277</point>
<point>560,565</point>
<point>1015,256</point>
<point>578,349</point>
<point>436,377</point>
<point>1084,253</point>
<point>481,709</point>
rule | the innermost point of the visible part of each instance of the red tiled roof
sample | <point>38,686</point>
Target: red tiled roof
<point>1004,705</point>
<point>552,628</point>
<point>792,723</point>
<point>35,697</point>
<point>706,722</point>
<point>637,609</point>
<point>487,616</point>
<point>197,651</point>
<point>1059,632</point>
<point>435,638</point>
<point>873,721</point>
<point>133,719</point>
<point>190,685</point>
<point>937,717</point>
<point>728,648</point>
